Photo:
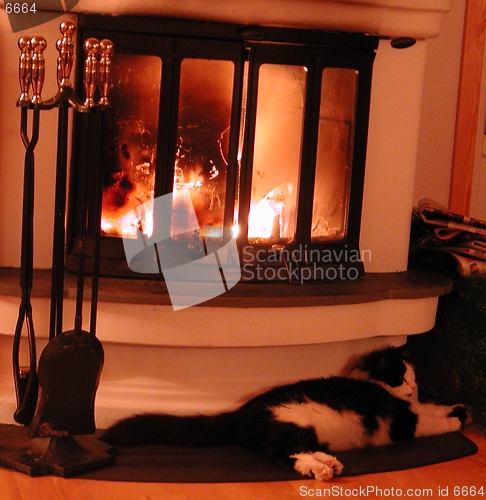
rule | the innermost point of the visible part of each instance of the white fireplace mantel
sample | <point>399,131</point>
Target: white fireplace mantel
<point>389,18</point>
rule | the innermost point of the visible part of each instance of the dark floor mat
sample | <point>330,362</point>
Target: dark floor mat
<point>234,464</point>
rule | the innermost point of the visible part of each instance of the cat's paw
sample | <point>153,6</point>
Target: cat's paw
<point>319,465</point>
<point>460,412</point>
<point>330,462</point>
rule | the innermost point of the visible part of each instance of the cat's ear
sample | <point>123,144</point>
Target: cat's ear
<point>404,351</point>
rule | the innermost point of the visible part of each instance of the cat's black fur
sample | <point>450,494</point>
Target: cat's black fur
<point>297,425</point>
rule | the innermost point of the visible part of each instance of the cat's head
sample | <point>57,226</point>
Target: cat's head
<point>389,367</point>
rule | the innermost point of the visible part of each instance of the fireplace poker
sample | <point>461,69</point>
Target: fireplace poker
<point>91,80</point>
<point>65,47</point>
<point>105,83</point>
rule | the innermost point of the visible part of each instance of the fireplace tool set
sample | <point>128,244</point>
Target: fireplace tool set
<point>56,398</point>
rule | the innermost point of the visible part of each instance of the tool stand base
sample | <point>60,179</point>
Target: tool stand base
<point>57,456</point>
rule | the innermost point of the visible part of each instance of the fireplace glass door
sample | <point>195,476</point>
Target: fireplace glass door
<point>277,154</point>
<point>334,159</point>
<point>201,160</point>
<point>263,136</point>
<point>131,148</point>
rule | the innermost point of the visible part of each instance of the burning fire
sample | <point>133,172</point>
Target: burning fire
<point>123,197</point>
<point>265,220</point>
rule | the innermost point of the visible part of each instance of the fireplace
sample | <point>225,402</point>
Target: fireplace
<point>259,130</point>
<point>206,358</point>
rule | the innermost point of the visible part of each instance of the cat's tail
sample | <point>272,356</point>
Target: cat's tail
<point>152,429</point>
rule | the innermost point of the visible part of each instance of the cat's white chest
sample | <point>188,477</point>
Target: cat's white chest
<point>339,430</point>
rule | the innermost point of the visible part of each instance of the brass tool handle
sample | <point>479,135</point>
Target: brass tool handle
<point>91,70</point>
<point>39,44</point>
<point>107,49</point>
<point>25,68</point>
<point>65,47</point>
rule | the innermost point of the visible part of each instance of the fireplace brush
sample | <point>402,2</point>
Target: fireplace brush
<point>70,365</point>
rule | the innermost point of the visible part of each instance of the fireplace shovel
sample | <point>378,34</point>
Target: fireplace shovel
<point>70,365</point>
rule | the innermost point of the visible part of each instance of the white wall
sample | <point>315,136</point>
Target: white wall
<point>12,151</point>
<point>478,195</point>
<point>436,141</point>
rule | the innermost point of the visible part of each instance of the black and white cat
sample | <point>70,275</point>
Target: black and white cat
<point>298,425</point>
